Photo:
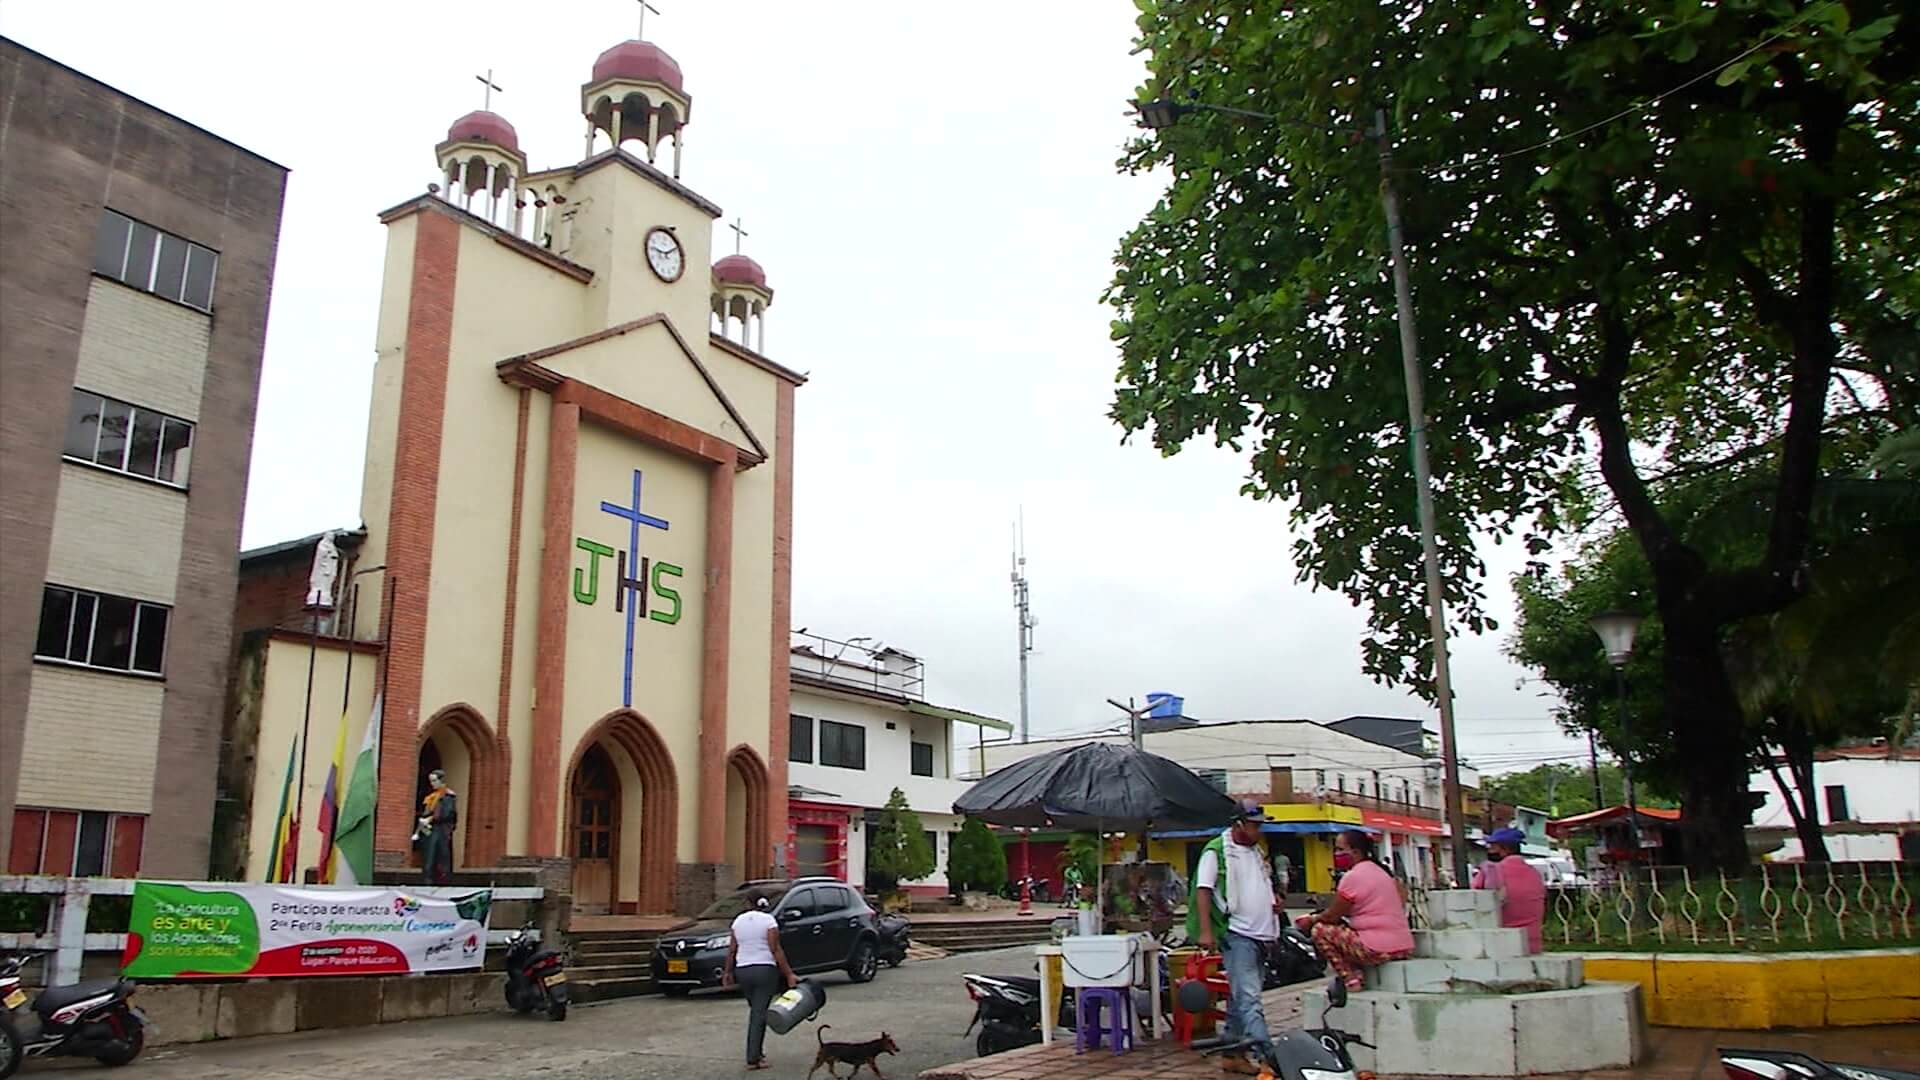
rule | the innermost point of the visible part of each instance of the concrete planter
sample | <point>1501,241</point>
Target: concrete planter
<point>187,1012</point>
<point>1757,991</point>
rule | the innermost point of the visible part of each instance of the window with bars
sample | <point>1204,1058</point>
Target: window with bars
<point>99,630</point>
<point>115,435</point>
<point>137,254</point>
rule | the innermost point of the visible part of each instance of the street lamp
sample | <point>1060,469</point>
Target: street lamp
<point>1162,113</point>
<point>1616,630</point>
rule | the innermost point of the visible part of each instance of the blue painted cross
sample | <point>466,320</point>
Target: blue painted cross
<point>634,519</point>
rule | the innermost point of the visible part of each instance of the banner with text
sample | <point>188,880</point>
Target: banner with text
<point>228,930</point>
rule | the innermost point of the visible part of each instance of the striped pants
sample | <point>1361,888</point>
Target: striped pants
<point>1342,949</point>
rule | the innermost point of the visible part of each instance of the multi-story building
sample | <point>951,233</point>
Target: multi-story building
<point>861,727</point>
<point>1370,772</point>
<point>133,310</point>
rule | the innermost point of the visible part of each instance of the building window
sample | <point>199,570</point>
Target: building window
<point>1837,803</point>
<point>115,435</point>
<point>843,746</point>
<point>1213,778</point>
<point>80,843</point>
<point>922,759</point>
<point>102,631</point>
<point>153,261</point>
<point>799,738</point>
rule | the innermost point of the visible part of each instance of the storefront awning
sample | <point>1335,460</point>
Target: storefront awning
<point>1270,827</point>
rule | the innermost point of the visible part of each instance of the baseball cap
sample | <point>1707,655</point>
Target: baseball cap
<point>1251,811</point>
<point>1510,836</point>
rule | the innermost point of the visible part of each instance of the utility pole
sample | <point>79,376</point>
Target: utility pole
<point>1134,717</point>
<point>1593,761</point>
<point>1423,485</point>
<point>1023,612</point>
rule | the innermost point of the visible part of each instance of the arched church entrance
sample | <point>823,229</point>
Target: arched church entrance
<point>595,832</point>
<point>623,818</point>
<point>749,847</point>
<point>459,741</point>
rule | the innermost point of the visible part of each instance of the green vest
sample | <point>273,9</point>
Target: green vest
<point>1218,845</point>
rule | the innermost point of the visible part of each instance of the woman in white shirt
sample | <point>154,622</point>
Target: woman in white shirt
<point>756,961</point>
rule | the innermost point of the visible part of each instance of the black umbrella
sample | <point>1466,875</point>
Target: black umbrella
<point>1097,786</point>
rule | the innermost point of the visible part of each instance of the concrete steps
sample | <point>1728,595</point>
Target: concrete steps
<point>609,964</point>
<point>984,934</point>
<point>1473,1002</point>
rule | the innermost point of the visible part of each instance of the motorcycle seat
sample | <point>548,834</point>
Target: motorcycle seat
<point>1032,986</point>
<point>55,998</point>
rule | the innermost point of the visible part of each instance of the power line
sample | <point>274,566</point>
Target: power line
<point>1630,110</point>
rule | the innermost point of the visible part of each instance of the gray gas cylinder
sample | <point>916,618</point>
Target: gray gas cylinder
<point>802,1002</point>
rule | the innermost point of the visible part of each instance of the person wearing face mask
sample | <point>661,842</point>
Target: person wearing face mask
<point>1522,891</point>
<point>1366,925</point>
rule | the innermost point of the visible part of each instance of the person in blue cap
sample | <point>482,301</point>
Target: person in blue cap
<point>1523,892</point>
<point>1233,911</point>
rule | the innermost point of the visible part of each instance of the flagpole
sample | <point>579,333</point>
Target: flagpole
<point>346,702</point>
<point>306,724</point>
<point>380,689</point>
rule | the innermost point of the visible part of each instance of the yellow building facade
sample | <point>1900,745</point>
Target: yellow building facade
<point>577,507</point>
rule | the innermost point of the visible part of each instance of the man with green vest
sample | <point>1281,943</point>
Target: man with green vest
<point>1234,912</point>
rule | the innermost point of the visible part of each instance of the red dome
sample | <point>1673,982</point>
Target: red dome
<point>484,127</point>
<point>740,270</point>
<point>640,61</point>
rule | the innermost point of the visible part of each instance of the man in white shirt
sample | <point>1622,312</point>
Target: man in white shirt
<point>1236,913</point>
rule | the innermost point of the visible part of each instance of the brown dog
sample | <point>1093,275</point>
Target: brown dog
<point>835,1054</point>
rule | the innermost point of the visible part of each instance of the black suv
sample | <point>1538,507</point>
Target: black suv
<point>824,926</point>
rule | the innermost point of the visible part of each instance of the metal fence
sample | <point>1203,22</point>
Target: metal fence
<point>1773,907</point>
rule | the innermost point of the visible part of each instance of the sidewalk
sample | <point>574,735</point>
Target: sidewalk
<point>1674,1054</point>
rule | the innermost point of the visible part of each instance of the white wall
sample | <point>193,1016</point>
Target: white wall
<point>1878,790</point>
<point>1248,749</point>
<point>889,765</point>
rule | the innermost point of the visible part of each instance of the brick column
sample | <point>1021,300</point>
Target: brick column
<point>550,665</point>
<point>716,644</point>
<point>410,517</point>
<point>780,679</point>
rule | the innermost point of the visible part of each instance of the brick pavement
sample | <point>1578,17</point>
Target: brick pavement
<point>1673,1054</point>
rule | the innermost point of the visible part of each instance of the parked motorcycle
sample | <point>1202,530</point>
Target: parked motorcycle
<point>536,978</point>
<point>1292,958</point>
<point>1792,1065</point>
<point>1302,1054</point>
<point>1007,1010</point>
<point>896,933</point>
<point>88,1019</point>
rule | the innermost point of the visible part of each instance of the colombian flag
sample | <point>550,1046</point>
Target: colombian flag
<point>330,803</point>
<point>280,865</point>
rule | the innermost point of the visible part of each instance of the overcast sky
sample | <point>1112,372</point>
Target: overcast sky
<point>931,189</point>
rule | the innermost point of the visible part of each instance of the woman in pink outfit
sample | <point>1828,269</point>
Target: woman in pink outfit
<point>1366,925</point>
<point>1523,892</point>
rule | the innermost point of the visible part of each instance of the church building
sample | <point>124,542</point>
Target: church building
<point>572,587</point>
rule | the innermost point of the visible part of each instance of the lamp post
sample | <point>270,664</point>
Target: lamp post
<point>1163,113</point>
<point>1616,630</point>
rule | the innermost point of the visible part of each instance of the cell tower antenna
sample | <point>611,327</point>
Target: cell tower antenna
<point>1023,611</point>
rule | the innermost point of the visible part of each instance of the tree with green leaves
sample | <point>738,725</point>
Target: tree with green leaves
<point>1836,663</point>
<point>897,847</point>
<point>975,860</point>
<point>1564,790</point>
<point>1648,239</point>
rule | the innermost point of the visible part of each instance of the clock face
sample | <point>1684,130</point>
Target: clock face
<point>664,255</point>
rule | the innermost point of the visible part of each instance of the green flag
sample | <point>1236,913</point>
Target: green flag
<point>353,836</point>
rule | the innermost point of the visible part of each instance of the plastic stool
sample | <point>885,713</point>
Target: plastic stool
<point>1118,1002</point>
<point>1202,968</point>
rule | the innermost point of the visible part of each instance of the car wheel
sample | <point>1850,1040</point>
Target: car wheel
<point>864,964</point>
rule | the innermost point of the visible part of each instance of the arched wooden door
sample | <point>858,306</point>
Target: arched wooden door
<point>595,832</point>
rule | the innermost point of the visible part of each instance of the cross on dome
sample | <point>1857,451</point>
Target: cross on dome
<point>645,7</point>
<point>739,233</point>
<point>486,101</point>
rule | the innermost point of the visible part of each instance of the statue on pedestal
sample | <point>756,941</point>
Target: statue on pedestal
<point>433,837</point>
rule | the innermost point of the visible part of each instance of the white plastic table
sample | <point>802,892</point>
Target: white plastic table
<point>1052,982</point>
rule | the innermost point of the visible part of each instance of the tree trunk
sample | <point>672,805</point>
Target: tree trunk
<point>1796,742</point>
<point>1709,734</point>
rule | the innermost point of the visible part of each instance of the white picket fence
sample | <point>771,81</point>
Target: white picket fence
<point>66,939</point>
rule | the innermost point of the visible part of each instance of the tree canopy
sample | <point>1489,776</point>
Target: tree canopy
<point>975,859</point>
<point>897,847</point>
<point>1649,240</point>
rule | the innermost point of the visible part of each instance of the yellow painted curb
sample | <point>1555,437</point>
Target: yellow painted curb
<point>1752,991</point>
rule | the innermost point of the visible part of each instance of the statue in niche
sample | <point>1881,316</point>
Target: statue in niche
<point>433,836</point>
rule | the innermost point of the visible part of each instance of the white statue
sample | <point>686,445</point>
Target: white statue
<point>326,567</point>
